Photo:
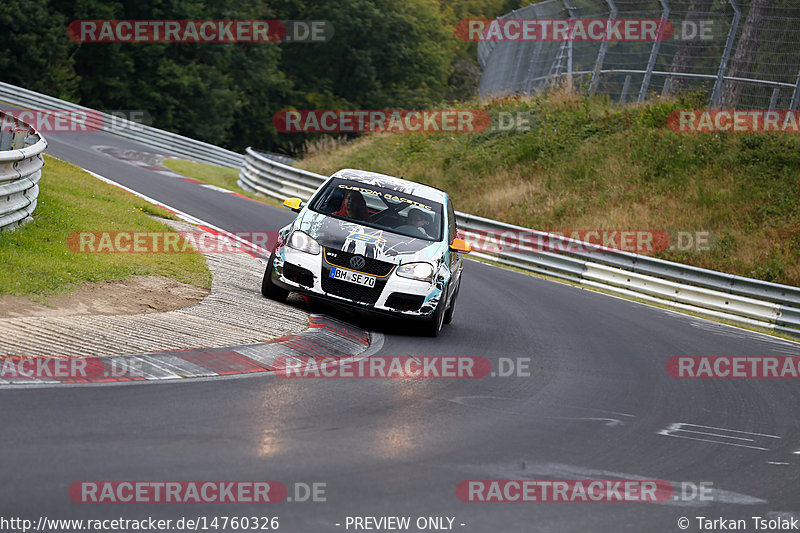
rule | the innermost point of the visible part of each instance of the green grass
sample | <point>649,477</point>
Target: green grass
<point>38,262</point>
<point>213,175</point>
<point>586,163</point>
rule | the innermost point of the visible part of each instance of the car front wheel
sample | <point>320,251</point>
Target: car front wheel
<point>448,315</point>
<point>433,326</point>
<point>269,289</point>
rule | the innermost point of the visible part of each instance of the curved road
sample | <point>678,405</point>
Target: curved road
<point>597,405</point>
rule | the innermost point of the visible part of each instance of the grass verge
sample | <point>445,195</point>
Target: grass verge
<point>38,262</point>
<point>213,175</point>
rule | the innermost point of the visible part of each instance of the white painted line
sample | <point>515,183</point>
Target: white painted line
<point>713,441</point>
<point>677,429</point>
<point>714,435</point>
<point>726,429</point>
<point>215,188</point>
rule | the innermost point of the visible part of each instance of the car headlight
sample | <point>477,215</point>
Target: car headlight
<point>420,271</point>
<point>303,242</point>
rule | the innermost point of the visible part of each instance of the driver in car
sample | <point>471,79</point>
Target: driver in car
<point>354,207</point>
<point>418,219</point>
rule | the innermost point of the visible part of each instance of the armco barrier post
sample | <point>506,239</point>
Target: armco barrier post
<point>601,54</point>
<point>726,54</point>
<point>795,94</point>
<point>653,53</point>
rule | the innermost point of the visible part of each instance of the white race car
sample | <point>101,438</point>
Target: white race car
<point>375,243</point>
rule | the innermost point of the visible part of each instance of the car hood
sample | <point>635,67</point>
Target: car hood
<point>355,238</point>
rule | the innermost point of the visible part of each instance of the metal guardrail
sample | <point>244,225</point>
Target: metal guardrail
<point>21,164</point>
<point>147,135</point>
<point>737,299</point>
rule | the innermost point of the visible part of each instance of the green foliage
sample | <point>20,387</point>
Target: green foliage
<point>384,54</point>
<point>36,52</point>
<point>218,93</point>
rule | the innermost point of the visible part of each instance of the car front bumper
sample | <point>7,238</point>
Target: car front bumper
<point>302,272</point>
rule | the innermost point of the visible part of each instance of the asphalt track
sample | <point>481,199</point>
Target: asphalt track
<point>598,405</point>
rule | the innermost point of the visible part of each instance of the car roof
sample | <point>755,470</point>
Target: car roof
<point>390,182</point>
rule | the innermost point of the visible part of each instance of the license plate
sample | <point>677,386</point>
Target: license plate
<point>352,277</point>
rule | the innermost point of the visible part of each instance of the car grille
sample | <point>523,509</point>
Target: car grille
<point>373,267</point>
<point>351,291</point>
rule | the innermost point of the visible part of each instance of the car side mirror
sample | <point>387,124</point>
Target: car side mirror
<point>293,203</point>
<point>460,245</point>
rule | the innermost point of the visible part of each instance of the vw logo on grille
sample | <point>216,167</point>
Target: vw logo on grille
<point>357,262</point>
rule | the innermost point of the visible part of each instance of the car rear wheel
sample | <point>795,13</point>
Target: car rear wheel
<point>269,289</point>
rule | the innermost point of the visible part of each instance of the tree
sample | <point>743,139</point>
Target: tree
<point>36,51</point>
<point>219,93</point>
<point>383,54</point>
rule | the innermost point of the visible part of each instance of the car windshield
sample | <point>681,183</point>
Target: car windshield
<point>381,208</point>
